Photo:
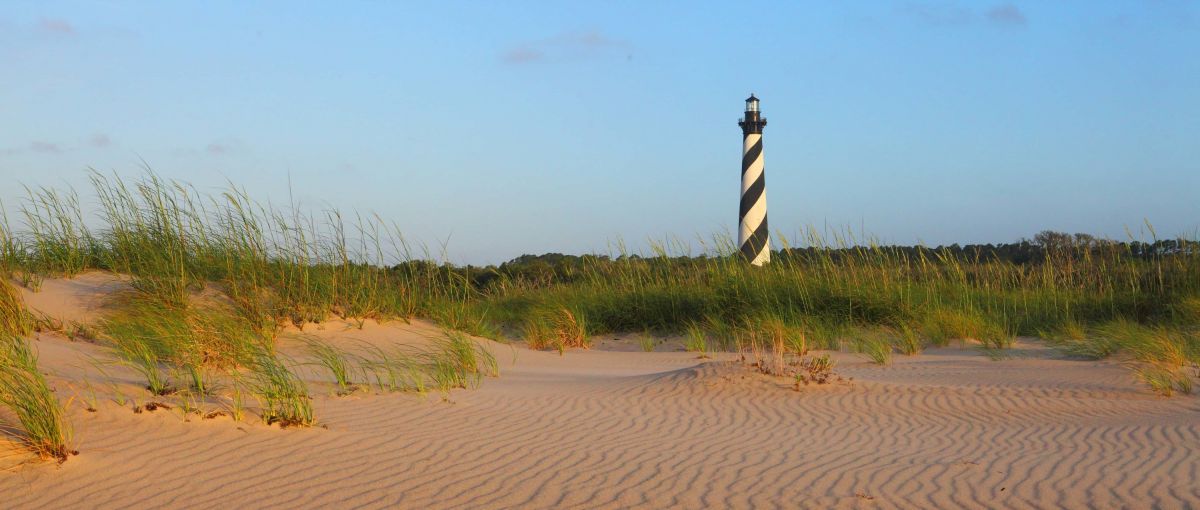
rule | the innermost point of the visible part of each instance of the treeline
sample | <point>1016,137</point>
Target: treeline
<point>1045,247</point>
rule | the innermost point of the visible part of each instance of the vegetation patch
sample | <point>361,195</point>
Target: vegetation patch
<point>276,266</point>
<point>815,370</point>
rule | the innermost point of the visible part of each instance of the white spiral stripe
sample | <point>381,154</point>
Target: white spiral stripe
<point>756,215</point>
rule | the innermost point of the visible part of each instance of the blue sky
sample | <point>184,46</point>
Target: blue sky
<point>504,128</point>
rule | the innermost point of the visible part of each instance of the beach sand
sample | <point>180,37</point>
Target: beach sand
<point>619,428</point>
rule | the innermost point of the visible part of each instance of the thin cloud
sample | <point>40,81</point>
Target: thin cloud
<point>522,55</point>
<point>57,26</point>
<point>100,140</point>
<point>565,46</point>
<point>45,147</point>
<point>347,169</point>
<point>590,38</point>
<point>938,14</point>
<point>224,147</point>
<point>950,14</point>
<point>1006,14</point>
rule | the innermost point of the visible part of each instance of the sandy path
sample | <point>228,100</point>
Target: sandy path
<point>949,428</point>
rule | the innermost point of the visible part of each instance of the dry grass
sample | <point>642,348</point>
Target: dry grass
<point>815,370</point>
<point>559,330</point>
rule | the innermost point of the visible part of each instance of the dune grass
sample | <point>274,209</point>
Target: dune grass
<point>274,266</point>
<point>144,360</point>
<point>538,335</point>
<point>560,329</point>
<point>215,278</point>
<point>394,369</point>
<point>15,319</point>
<point>908,340</point>
<point>1165,381</point>
<point>1166,356</point>
<point>196,337</point>
<point>647,342</point>
<point>696,340</point>
<point>343,366</point>
<point>457,361</point>
<point>1172,346</point>
<point>875,345</point>
<point>285,266</point>
<point>283,395</point>
<point>451,360</point>
<point>25,392</point>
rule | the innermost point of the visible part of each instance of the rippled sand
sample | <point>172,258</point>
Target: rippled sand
<point>598,429</point>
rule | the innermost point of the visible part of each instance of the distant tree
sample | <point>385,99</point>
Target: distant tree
<point>1053,241</point>
<point>1085,241</point>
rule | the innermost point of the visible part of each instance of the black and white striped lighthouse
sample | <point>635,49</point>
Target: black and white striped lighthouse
<point>754,240</point>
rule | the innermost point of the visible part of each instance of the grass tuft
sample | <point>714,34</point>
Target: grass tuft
<point>1165,381</point>
<point>24,390</point>
<point>283,394</point>
<point>539,335</point>
<point>394,370</point>
<point>995,340</point>
<point>696,340</point>
<point>647,341</point>
<point>14,318</point>
<point>908,341</point>
<point>875,345</point>
<point>339,363</point>
<point>145,360</point>
<point>815,369</point>
<point>467,354</point>
<point>559,330</point>
<point>944,325</point>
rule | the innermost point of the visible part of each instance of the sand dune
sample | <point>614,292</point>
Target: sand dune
<point>602,429</point>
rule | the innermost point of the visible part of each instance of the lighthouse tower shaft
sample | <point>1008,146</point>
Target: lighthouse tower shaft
<point>754,238</point>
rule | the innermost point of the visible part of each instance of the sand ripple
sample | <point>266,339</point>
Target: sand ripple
<point>624,430</point>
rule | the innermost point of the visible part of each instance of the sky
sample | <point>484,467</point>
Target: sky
<point>496,129</point>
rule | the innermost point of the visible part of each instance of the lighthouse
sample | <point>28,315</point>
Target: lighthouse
<point>754,240</point>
